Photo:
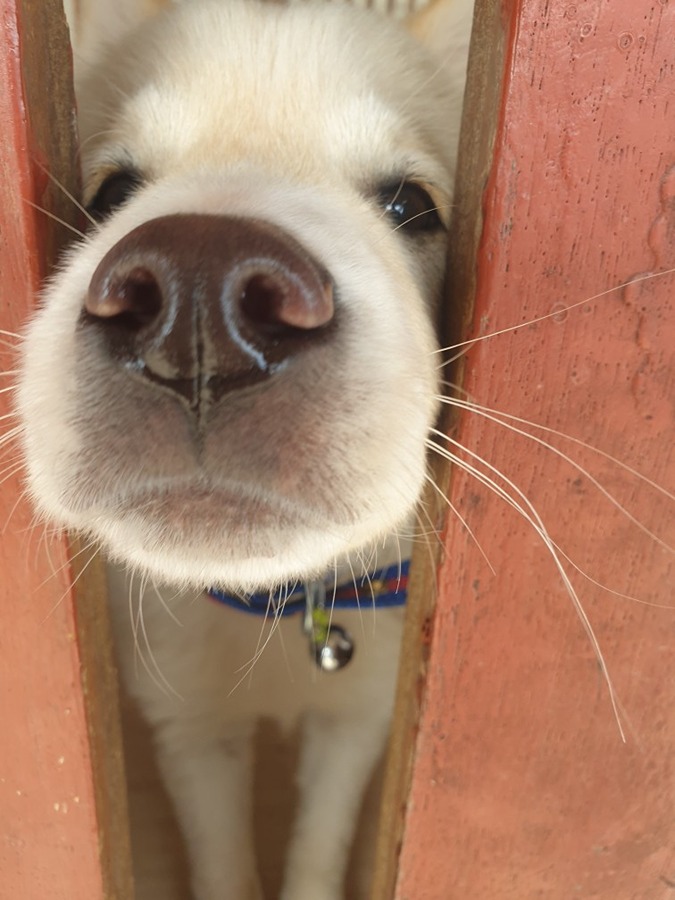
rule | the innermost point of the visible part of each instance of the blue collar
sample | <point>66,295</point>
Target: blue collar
<point>384,588</point>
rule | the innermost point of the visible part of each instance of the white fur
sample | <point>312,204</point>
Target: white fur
<point>292,115</point>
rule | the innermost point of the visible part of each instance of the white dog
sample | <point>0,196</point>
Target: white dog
<point>230,383</point>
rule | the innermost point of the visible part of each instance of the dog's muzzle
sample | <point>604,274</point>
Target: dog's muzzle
<point>204,305</point>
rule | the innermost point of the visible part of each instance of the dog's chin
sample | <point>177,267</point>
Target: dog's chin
<point>194,513</point>
<point>194,538</point>
<point>254,559</point>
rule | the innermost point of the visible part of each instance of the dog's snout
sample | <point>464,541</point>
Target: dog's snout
<point>208,304</point>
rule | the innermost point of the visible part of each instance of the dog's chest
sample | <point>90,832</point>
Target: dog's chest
<point>188,655</point>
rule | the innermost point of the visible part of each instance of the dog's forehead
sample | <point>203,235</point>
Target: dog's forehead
<point>307,90</point>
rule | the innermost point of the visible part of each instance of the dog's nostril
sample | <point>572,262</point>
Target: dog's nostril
<point>282,299</point>
<point>134,298</point>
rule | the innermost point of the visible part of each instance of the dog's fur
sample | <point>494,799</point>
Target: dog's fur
<point>298,116</point>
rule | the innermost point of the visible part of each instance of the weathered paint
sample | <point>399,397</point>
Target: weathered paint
<point>522,786</point>
<point>53,828</point>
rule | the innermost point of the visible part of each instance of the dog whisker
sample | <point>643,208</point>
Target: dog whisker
<point>74,581</point>
<point>332,602</point>
<point>453,388</point>
<point>138,626</point>
<point>399,557</point>
<point>92,137</point>
<point>12,434</point>
<point>166,604</point>
<point>609,590</point>
<point>427,542</point>
<point>419,535</point>
<point>64,190</point>
<point>383,211</point>
<point>511,329</point>
<point>21,497</point>
<point>419,215</point>
<point>160,680</point>
<point>11,455</point>
<point>55,218</point>
<point>373,604</point>
<point>462,521</point>
<point>451,359</point>
<point>570,461</point>
<point>276,609</point>
<point>55,570</point>
<point>39,542</point>
<point>285,590</point>
<point>50,560</point>
<point>10,452</point>
<point>248,667</point>
<point>487,412</point>
<point>603,586</point>
<point>9,472</point>
<point>284,652</point>
<point>529,513</point>
<point>358,599</point>
<point>133,622</point>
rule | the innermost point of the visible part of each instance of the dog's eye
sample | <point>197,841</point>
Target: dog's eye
<point>410,207</point>
<point>115,190</point>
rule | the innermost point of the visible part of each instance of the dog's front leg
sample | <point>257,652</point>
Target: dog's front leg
<point>337,759</point>
<point>209,783</point>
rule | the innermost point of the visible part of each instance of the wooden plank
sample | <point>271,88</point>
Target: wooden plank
<point>62,829</point>
<point>483,92</point>
<point>522,785</point>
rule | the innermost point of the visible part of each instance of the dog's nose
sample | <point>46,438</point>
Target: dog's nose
<point>208,304</point>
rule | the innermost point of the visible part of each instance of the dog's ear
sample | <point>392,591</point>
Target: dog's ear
<point>444,28</point>
<point>95,24</point>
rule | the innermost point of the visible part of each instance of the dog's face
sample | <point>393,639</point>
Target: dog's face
<point>232,377</point>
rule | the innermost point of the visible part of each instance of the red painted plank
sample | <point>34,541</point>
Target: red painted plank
<point>49,845</point>
<point>522,785</point>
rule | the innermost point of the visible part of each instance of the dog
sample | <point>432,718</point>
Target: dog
<point>231,379</point>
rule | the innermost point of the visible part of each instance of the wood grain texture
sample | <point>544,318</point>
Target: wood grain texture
<point>62,828</point>
<point>486,64</point>
<point>99,684</point>
<point>522,786</point>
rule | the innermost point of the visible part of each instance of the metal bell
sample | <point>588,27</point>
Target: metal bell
<point>331,646</point>
<point>335,651</point>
